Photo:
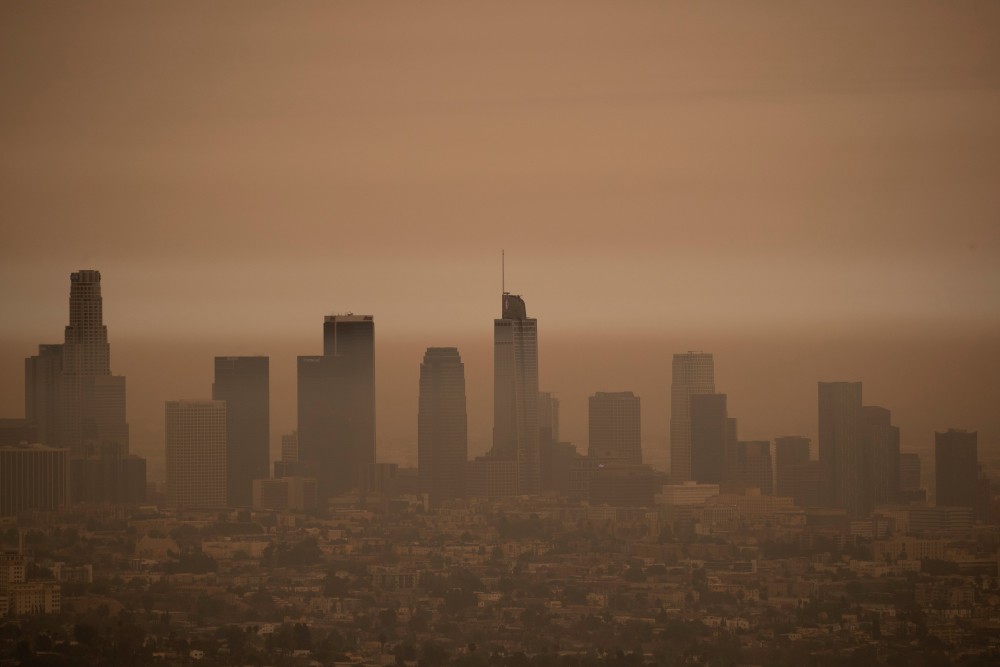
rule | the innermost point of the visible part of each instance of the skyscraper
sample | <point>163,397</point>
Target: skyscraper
<point>41,391</point>
<point>442,427</point>
<point>336,405</point>
<point>692,373</point>
<point>880,446</point>
<point>614,421</point>
<point>196,454</point>
<point>709,424</point>
<point>515,393</point>
<point>548,417</point>
<point>840,452</point>
<point>956,468</point>
<point>909,472</point>
<point>748,465</point>
<point>243,383</point>
<point>790,453</point>
<point>91,401</point>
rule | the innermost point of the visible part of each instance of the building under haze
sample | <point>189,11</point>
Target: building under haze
<point>956,468</point>
<point>615,427</point>
<point>880,446</point>
<point>75,403</point>
<point>442,425</point>
<point>691,373</point>
<point>791,454</point>
<point>747,465</point>
<point>909,474</point>
<point>195,437</point>
<point>33,477</point>
<point>243,383</point>
<point>336,405</point>
<point>515,395</point>
<point>840,447</point>
<point>709,421</point>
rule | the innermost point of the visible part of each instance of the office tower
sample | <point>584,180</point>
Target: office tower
<point>548,416</point>
<point>41,391</point>
<point>791,453</point>
<point>956,462</point>
<point>515,394</point>
<point>614,421</point>
<point>880,448</point>
<point>748,465</point>
<point>909,472</point>
<point>709,434</point>
<point>692,373</point>
<point>91,401</point>
<point>242,382</point>
<point>33,477</point>
<point>196,454</point>
<point>290,447</point>
<point>619,484</point>
<point>108,475</point>
<point>442,427</point>
<point>840,452</point>
<point>336,405</point>
<point>288,493</point>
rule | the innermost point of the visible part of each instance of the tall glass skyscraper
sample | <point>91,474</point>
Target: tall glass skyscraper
<point>841,455</point>
<point>515,392</point>
<point>442,425</point>
<point>614,423</point>
<point>692,373</point>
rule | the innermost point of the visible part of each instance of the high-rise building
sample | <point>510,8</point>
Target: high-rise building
<point>336,405</point>
<point>76,403</point>
<point>880,447</point>
<point>442,427</point>
<point>909,472</point>
<point>91,401</point>
<point>196,454</point>
<point>548,417</point>
<point>709,427</point>
<point>956,468</point>
<point>41,391</point>
<point>243,383</point>
<point>615,433</point>
<point>692,373</point>
<point>791,452</point>
<point>515,393</point>
<point>33,477</point>
<point>747,465</point>
<point>840,451</point>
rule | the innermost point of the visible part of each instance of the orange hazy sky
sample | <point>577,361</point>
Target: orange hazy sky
<point>812,185</point>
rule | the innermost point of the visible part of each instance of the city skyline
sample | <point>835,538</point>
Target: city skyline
<point>738,405</point>
<point>655,449</point>
<point>657,179</point>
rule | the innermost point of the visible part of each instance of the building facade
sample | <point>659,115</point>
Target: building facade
<point>33,477</point>
<point>515,393</point>
<point>243,383</point>
<point>442,425</point>
<point>615,427</point>
<point>956,469</point>
<point>196,454</point>
<point>840,452</point>
<point>709,434</point>
<point>336,405</point>
<point>691,373</point>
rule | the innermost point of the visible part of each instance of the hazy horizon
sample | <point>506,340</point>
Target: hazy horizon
<point>808,191</point>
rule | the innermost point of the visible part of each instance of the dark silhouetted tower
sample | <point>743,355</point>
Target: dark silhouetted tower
<point>840,452</point>
<point>243,383</point>
<point>41,391</point>
<point>909,472</point>
<point>336,405</point>
<point>880,446</point>
<point>708,437</point>
<point>442,427</point>
<point>615,427</point>
<point>692,373</point>
<point>515,393</point>
<point>956,463</point>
